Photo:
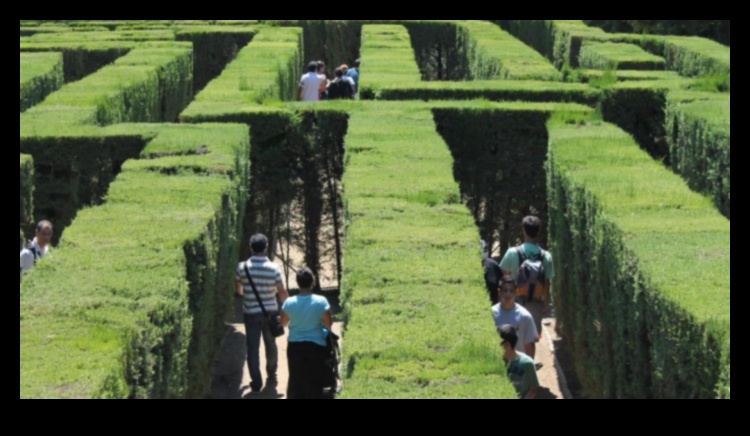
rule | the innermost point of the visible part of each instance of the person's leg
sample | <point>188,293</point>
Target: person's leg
<point>272,353</point>
<point>296,372</point>
<point>535,309</point>
<point>252,337</point>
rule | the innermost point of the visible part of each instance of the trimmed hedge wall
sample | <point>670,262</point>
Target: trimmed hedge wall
<point>213,49</point>
<point>132,304</point>
<point>492,52</point>
<point>82,59</point>
<point>267,69</point>
<point>500,90</point>
<point>41,74</point>
<point>411,248</point>
<point>700,145</point>
<point>619,57</point>
<point>639,109</point>
<point>26,185</point>
<point>643,293</point>
<point>75,160</point>
<point>388,57</point>
<point>561,41</point>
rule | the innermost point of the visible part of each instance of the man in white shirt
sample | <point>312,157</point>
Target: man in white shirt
<point>38,248</point>
<point>312,84</point>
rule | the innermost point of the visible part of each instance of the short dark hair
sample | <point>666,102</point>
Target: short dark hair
<point>532,225</point>
<point>305,278</point>
<point>312,67</point>
<point>509,334</point>
<point>320,64</point>
<point>258,243</point>
<point>339,72</point>
<point>356,63</point>
<point>42,224</point>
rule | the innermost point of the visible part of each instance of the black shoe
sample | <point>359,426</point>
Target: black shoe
<point>255,389</point>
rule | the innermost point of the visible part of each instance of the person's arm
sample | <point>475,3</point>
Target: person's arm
<point>284,319</point>
<point>323,85</point>
<point>300,93</point>
<point>532,336</point>
<point>281,289</point>
<point>530,395</point>
<point>530,348</point>
<point>240,289</point>
<point>509,263</point>
<point>327,319</point>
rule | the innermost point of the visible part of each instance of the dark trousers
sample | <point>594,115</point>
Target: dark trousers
<point>306,370</point>
<point>255,327</point>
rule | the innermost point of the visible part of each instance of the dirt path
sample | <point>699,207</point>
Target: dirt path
<point>552,376</point>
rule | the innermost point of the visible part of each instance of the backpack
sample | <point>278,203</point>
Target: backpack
<point>530,272</point>
<point>340,89</point>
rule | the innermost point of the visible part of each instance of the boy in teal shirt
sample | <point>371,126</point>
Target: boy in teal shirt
<point>521,369</point>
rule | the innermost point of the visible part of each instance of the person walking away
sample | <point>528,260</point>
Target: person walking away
<point>266,276</point>
<point>308,316</point>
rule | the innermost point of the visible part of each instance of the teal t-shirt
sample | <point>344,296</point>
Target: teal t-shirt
<point>510,260</point>
<point>522,374</point>
<point>306,318</point>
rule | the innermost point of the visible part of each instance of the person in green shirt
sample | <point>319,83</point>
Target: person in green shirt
<point>521,369</point>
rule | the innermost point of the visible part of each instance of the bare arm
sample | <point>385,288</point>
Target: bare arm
<point>327,319</point>
<point>530,349</point>
<point>281,289</point>
<point>299,93</point>
<point>284,319</point>
<point>239,289</point>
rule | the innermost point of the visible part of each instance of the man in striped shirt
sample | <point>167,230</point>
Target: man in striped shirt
<point>267,279</point>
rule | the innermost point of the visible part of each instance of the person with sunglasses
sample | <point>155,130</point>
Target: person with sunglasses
<point>508,312</point>
<point>520,367</point>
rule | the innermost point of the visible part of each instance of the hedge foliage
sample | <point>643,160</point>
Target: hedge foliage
<point>132,304</point>
<point>498,161</point>
<point>643,292</point>
<point>619,57</point>
<point>26,186</point>
<point>561,41</point>
<point>700,144</point>
<point>266,70</point>
<point>41,74</point>
<point>411,247</point>
<point>75,161</point>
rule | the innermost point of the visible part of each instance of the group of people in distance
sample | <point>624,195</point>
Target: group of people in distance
<point>519,288</point>
<point>315,86</point>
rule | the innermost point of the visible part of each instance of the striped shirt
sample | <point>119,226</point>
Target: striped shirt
<point>266,275</point>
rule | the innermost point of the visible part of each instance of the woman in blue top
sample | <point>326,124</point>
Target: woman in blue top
<point>307,315</point>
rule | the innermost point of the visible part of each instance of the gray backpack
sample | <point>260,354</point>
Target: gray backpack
<point>530,271</point>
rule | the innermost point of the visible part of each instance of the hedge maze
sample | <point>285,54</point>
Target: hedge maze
<point>158,147</point>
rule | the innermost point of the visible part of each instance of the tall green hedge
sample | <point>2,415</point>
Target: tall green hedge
<point>492,52</point>
<point>213,49</point>
<point>41,74</point>
<point>495,90</point>
<point>26,185</point>
<point>388,58</point>
<point>417,321</point>
<point>618,56</point>
<point>643,292</point>
<point>700,145</point>
<point>561,41</point>
<point>267,69</point>
<point>132,304</point>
